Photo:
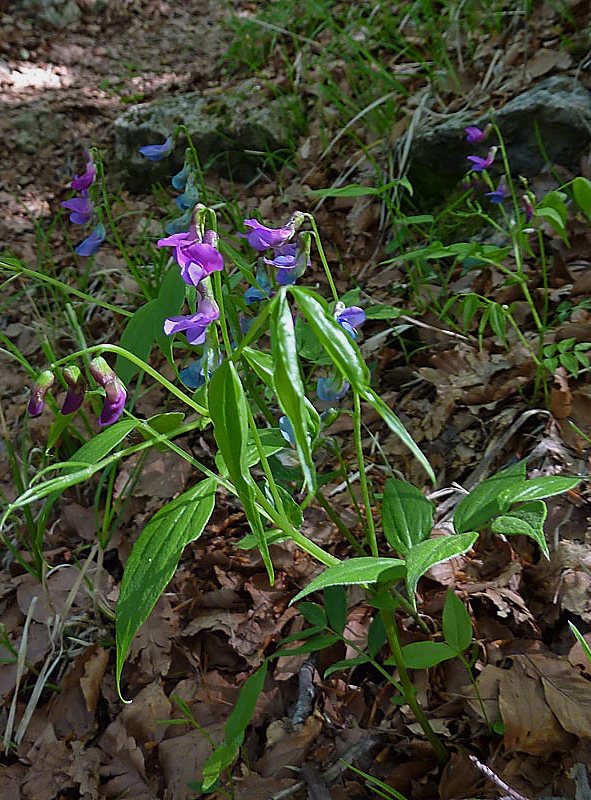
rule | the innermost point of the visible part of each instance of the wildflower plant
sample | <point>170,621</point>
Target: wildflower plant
<point>228,323</point>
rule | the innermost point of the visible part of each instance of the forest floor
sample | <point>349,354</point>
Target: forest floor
<point>467,405</point>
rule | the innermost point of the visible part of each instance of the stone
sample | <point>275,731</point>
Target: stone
<point>235,133</point>
<point>57,13</point>
<point>35,126</point>
<point>561,108</point>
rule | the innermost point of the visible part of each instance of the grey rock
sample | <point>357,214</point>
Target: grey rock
<point>57,13</point>
<point>561,108</point>
<point>35,126</point>
<point>235,133</point>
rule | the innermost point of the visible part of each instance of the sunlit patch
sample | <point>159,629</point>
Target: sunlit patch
<point>26,76</point>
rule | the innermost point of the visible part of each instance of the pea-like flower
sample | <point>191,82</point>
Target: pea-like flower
<point>80,209</point>
<point>479,164</point>
<point>474,134</point>
<point>529,208</point>
<point>197,259</point>
<point>291,260</point>
<point>82,182</point>
<point>499,195</point>
<point>260,237</point>
<point>115,394</point>
<point>75,394</point>
<point>332,388</point>
<point>90,245</point>
<point>179,224</point>
<point>194,326</point>
<point>179,181</point>
<point>189,197</point>
<point>262,291</point>
<point>193,376</point>
<point>42,385</point>
<point>349,318</point>
<point>156,152</point>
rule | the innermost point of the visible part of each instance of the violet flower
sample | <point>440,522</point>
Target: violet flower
<point>75,393</point>
<point>156,152</point>
<point>262,291</point>
<point>39,390</point>
<point>194,326</point>
<point>82,182</point>
<point>349,318</point>
<point>499,195</point>
<point>261,237</point>
<point>474,135</point>
<point>91,244</point>
<point>291,260</point>
<point>80,209</point>
<point>332,388</point>
<point>197,259</point>
<point>529,208</point>
<point>115,394</point>
<point>480,164</point>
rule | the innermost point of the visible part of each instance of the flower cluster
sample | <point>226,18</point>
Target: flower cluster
<point>115,394</point>
<point>81,210</point>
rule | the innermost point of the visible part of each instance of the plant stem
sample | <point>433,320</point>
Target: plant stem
<point>408,689</point>
<point>371,531</point>
<point>323,260</point>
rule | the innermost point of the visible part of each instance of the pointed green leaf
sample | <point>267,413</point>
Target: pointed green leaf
<point>581,640</point>
<point>229,413</point>
<point>355,572</point>
<point>289,386</point>
<point>539,488</point>
<point>407,515</point>
<point>138,338</point>
<point>526,520</point>
<point>335,604</point>
<point>487,499</point>
<point>457,625</point>
<point>153,560</point>
<point>168,303</point>
<point>424,655</point>
<point>426,554</point>
<point>582,194</point>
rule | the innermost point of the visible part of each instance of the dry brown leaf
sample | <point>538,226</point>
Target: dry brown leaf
<point>567,693</point>
<point>50,767</point>
<point>546,60</point>
<point>255,787</point>
<point>287,746</point>
<point>141,716</point>
<point>561,399</point>
<point>182,759</point>
<point>124,766</point>
<point>153,642</point>
<point>73,710</point>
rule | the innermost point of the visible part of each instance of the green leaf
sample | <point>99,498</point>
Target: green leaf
<point>398,428</point>
<point>345,665</point>
<point>262,364</point>
<point>341,348</point>
<point>153,560</point>
<point>407,515</point>
<point>486,500</point>
<point>168,303</point>
<point>526,520</point>
<point>457,625</point>
<point>138,338</point>
<point>313,645</point>
<point>229,413</point>
<point>582,194</point>
<point>376,636</point>
<point>426,554</point>
<point>423,655</point>
<point>221,758</point>
<point>383,312</point>
<point>552,216</point>
<point>353,190</point>
<point>107,440</point>
<point>355,572</point>
<point>245,704</point>
<point>539,488</point>
<point>289,386</point>
<point>313,613</point>
<point>581,640</point>
<point>335,604</point>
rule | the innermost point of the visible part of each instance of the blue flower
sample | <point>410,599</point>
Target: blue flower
<point>156,152</point>
<point>499,195</point>
<point>332,388</point>
<point>179,181</point>
<point>262,291</point>
<point>286,430</point>
<point>193,376</point>
<point>291,260</point>
<point>91,244</point>
<point>189,197</point>
<point>349,318</point>
<point>479,164</point>
<point>179,224</point>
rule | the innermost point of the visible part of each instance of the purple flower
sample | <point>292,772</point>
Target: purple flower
<point>529,208</point>
<point>349,318</point>
<point>40,388</point>
<point>291,260</point>
<point>115,394</point>
<point>196,259</point>
<point>80,208</point>
<point>75,393</point>
<point>91,244</point>
<point>332,388</point>
<point>261,237</point>
<point>499,195</point>
<point>82,182</point>
<point>287,431</point>
<point>474,135</point>
<point>194,325</point>
<point>156,152</point>
<point>480,164</point>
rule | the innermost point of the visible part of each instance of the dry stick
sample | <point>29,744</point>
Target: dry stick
<point>492,776</point>
<point>306,691</point>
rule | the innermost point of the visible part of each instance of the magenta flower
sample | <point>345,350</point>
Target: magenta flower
<point>80,209</point>
<point>474,135</point>
<point>261,237</point>
<point>480,164</point>
<point>40,388</point>
<point>82,182</point>
<point>194,326</point>
<point>90,245</point>
<point>115,394</point>
<point>196,259</point>
<point>75,393</point>
<point>156,152</point>
<point>499,195</point>
<point>349,318</point>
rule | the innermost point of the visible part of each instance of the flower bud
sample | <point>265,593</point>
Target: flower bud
<point>114,390</point>
<point>75,393</point>
<point>40,388</point>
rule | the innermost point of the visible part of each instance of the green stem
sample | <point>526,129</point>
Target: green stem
<point>219,297</point>
<point>408,689</point>
<point>371,531</point>
<point>323,259</point>
<point>335,518</point>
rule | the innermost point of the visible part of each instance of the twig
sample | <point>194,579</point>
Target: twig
<point>306,692</point>
<point>492,776</point>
